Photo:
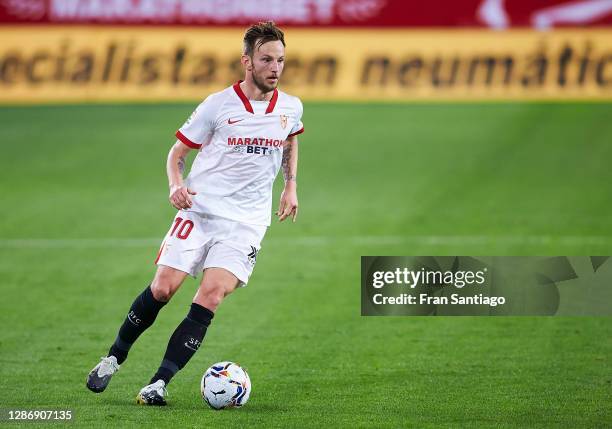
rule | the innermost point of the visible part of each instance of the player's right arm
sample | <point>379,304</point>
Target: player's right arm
<point>180,195</point>
<point>194,132</point>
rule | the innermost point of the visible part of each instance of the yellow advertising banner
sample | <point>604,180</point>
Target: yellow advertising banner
<point>73,64</point>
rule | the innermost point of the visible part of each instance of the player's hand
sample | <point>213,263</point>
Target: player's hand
<point>180,197</point>
<point>288,203</point>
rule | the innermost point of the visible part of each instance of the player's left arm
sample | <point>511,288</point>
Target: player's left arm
<point>288,200</point>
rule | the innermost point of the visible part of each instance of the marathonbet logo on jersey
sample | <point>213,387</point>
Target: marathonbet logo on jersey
<point>254,145</point>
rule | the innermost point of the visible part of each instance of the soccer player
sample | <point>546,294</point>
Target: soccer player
<point>243,135</point>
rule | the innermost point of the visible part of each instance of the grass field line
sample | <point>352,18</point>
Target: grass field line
<point>322,240</point>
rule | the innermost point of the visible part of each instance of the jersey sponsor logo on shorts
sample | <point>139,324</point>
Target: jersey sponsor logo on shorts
<point>252,257</point>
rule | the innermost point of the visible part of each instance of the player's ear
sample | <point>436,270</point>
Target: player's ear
<point>246,62</point>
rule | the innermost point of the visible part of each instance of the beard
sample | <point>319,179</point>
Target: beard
<point>261,83</point>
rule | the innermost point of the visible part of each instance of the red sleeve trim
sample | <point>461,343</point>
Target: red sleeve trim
<point>186,141</point>
<point>300,131</point>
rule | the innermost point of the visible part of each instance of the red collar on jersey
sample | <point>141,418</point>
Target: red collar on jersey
<point>247,103</point>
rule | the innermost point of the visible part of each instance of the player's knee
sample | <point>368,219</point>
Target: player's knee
<point>212,295</point>
<point>163,287</point>
<point>161,292</point>
<point>211,301</point>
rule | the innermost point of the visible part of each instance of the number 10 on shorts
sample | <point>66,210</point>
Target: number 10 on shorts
<point>182,227</point>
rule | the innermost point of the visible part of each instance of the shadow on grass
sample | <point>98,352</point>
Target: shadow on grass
<point>256,408</point>
<point>260,408</point>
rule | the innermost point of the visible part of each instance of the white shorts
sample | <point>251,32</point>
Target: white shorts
<point>198,241</point>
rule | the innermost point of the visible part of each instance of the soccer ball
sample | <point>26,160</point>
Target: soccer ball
<point>225,385</point>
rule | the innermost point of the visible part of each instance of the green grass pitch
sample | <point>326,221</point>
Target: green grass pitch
<point>84,208</point>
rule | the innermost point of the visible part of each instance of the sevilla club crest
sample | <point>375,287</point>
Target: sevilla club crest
<point>283,119</point>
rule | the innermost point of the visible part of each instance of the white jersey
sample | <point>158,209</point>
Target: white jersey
<point>240,150</point>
